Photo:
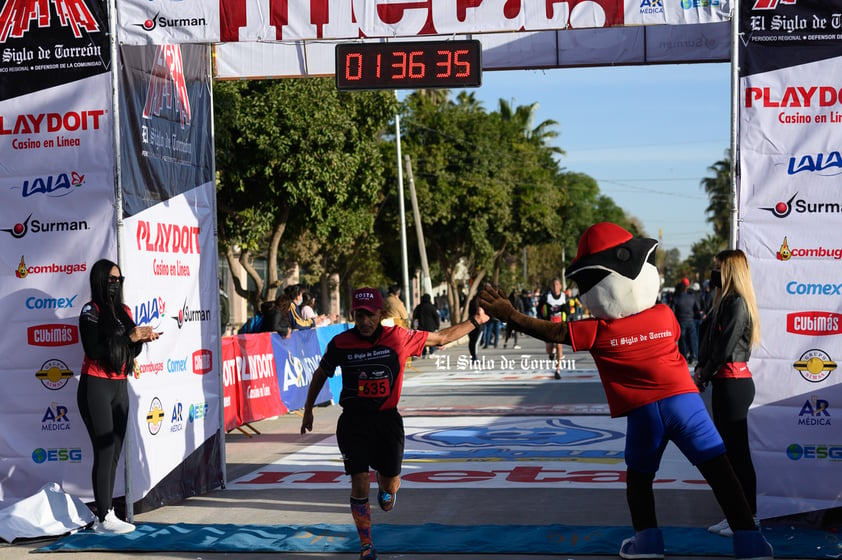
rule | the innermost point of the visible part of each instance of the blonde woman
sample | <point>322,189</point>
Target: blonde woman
<point>727,335</point>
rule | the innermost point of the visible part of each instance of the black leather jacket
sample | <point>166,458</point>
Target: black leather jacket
<point>724,337</point>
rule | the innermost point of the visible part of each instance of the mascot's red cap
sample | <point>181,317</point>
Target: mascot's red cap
<point>600,237</point>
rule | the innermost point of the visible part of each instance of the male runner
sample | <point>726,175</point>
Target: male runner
<point>370,430</point>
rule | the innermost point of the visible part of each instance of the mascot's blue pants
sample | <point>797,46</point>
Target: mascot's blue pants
<point>682,419</point>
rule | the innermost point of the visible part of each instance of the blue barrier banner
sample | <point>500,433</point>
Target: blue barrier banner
<point>325,334</point>
<point>296,359</point>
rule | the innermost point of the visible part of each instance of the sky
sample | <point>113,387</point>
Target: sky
<point>647,134</point>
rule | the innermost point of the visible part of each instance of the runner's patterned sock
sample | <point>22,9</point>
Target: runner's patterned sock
<point>362,518</point>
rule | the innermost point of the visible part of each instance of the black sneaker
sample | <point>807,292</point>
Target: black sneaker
<point>385,500</point>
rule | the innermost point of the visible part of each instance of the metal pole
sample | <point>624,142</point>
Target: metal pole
<point>735,118</point>
<point>404,259</point>
<point>427,287</point>
<point>128,444</point>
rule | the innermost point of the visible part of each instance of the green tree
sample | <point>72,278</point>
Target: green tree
<point>295,156</point>
<point>718,189</point>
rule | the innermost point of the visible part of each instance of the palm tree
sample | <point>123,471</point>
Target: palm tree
<point>718,189</point>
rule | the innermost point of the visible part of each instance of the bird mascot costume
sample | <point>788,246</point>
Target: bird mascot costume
<point>634,343</point>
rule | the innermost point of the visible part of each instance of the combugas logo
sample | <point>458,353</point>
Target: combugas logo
<point>786,252</point>
<point>814,365</point>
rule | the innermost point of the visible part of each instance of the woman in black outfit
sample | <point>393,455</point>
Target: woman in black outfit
<point>727,335</point>
<point>111,340</point>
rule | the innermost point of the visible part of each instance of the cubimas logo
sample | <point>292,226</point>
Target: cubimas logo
<point>54,334</point>
<point>20,229</point>
<point>54,374</point>
<point>18,16</point>
<point>814,365</point>
<point>802,206</point>
<point>202,361</point>
<point>786,252</point>
<point>814,323</point>
<point>23,270</point>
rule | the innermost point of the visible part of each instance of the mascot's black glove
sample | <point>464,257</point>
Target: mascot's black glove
<point>496,303</point>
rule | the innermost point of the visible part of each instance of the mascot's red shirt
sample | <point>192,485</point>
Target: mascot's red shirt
<point>372,372</point>
<point>637,357</point>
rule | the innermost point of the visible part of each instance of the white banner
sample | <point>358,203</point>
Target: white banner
<point>790,212</point>
<point>501,51</point>
<point>170,270</point>
<point>58,218</point>
<point>204,21</point>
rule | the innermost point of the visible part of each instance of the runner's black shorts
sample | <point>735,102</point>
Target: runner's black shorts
<point>371,440</point>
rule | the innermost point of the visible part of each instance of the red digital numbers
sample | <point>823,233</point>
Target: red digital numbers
<point>427,64</point>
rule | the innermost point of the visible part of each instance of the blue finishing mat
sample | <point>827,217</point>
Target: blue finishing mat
<point>788,542</point>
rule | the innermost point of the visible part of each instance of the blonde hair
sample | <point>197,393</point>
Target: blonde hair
<point>736,280</point>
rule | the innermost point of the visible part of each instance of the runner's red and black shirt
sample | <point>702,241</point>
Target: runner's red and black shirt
<point>372,372</point>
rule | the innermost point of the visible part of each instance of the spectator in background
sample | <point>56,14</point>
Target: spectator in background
<point>276,316</point>
<point>685,307</point>
<point>296,321</point>
<point>552,307</point>
<point>425,317</point>
<point>307,303</point>
<point>394,309</point>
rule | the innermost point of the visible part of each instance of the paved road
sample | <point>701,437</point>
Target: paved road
<point>449,393</point>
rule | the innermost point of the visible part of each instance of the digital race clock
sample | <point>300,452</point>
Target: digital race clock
<point>411,65</point>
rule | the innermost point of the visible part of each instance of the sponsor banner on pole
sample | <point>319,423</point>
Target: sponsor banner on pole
<point>165,132</point>
<point>58,176</point>
<point>790,108</point>
<point>47,44</point>
<point>170,270</point>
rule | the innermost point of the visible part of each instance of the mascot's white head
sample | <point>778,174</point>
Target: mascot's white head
<point>615,272</point>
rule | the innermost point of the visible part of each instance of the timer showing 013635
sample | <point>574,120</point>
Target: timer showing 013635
<point>408,65</point>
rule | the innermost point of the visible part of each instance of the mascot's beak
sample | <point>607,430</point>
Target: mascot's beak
<point>626,259</point>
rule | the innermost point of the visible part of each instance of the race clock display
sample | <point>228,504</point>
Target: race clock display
<point>410,65</point>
